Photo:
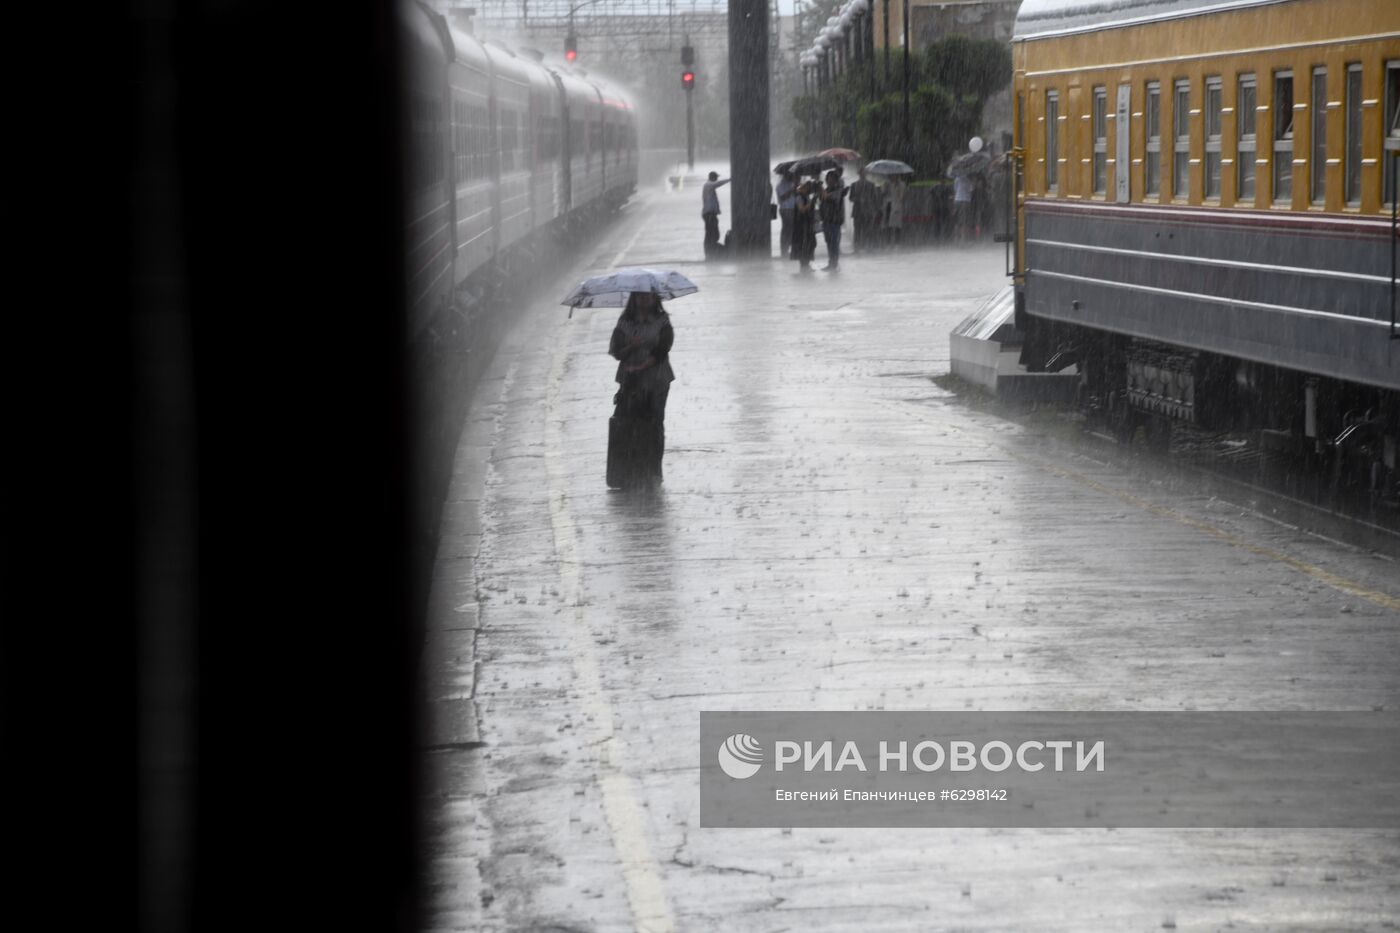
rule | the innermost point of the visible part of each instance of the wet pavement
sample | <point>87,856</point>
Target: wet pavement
<point>836,532</point>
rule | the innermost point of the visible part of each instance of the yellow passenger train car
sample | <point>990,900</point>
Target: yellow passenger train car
<point>1205,206</point>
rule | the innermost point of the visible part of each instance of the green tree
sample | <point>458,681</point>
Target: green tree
<point>952,80</point>
<point>968,67</point>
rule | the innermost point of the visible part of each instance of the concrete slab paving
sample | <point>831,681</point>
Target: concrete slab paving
<point>836,532</point>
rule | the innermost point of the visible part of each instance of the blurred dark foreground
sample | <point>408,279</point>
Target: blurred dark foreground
<point>209,617</point>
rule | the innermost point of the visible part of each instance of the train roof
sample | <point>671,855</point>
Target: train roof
<point>1041,19</point>
<point>426,32</point>
<point>468,50</point>
<point>612,96</point>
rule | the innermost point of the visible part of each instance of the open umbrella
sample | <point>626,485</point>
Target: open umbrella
<point>888,167</point>
<point>841,155</point>
<point>812,165</point>
<point>969,163</point>
<point>613,289</point>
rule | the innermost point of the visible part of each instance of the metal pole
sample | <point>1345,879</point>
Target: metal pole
<point>887,43</point>
<point>906,72</point>
<point>870,48</point>
<point>690,129</point>
<point>748,128</point>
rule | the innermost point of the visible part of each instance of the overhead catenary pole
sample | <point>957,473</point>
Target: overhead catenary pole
<point>689,131</point>
<point>870,47</point>
<point>907,133</point>
<point>748,128</point>
<point>688,62</point>
<point>886,22</point>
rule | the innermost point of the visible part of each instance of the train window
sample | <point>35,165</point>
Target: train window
<point>507,141</point>
<point>1052,141</point>
<point>1245,146</point>
<point>1212,159</point>
<point>1392,129</point>
<point>481,145</point>
<point>461,152</point>
<point>1317,168</point>
<point>1283,135</point>
<point>1100,140</point>
<point>1353,153</point>
<point>1181,147</point>
<point>428,166</point>
<point>1152,161</point>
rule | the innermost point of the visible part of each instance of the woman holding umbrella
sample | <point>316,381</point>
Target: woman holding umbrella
<point>641,343</point>
<point>804,225</point>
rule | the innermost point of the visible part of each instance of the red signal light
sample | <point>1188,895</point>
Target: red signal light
<point>688,80</point>
<point>570,54</point>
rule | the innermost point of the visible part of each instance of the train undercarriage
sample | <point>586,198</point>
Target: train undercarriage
<point>1321,435</point>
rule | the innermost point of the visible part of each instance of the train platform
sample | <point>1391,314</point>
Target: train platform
<point>836,531</point>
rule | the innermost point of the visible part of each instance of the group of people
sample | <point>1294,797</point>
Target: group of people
<point>805,206</point>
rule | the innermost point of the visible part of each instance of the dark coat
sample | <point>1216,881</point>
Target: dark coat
<point>804,228</point>
<point>833,205</point>
<point>655,340</point>
<point>865,199</point>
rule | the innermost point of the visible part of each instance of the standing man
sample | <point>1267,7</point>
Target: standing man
<point>865,205</point>
<point>833,214</point>
<point>967,173</point>
<point>709,210</point>
<point>787,209</point>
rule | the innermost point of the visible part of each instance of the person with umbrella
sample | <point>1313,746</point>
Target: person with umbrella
<point>804,225</point>
<point>865,209</point>
<point>967,172</point>
<point>641,344</point>
<point>833,215</point>
<point>893,209</point>
<point>787,210</point>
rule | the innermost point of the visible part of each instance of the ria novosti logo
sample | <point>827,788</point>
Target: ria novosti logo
<point>740,756</point>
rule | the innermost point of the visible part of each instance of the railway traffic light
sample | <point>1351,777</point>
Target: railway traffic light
<point>570,46</point>
<point>688,82</point>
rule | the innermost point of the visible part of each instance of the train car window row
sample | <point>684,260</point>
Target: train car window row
<point>426,130</point>
<point>1214,155</point>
